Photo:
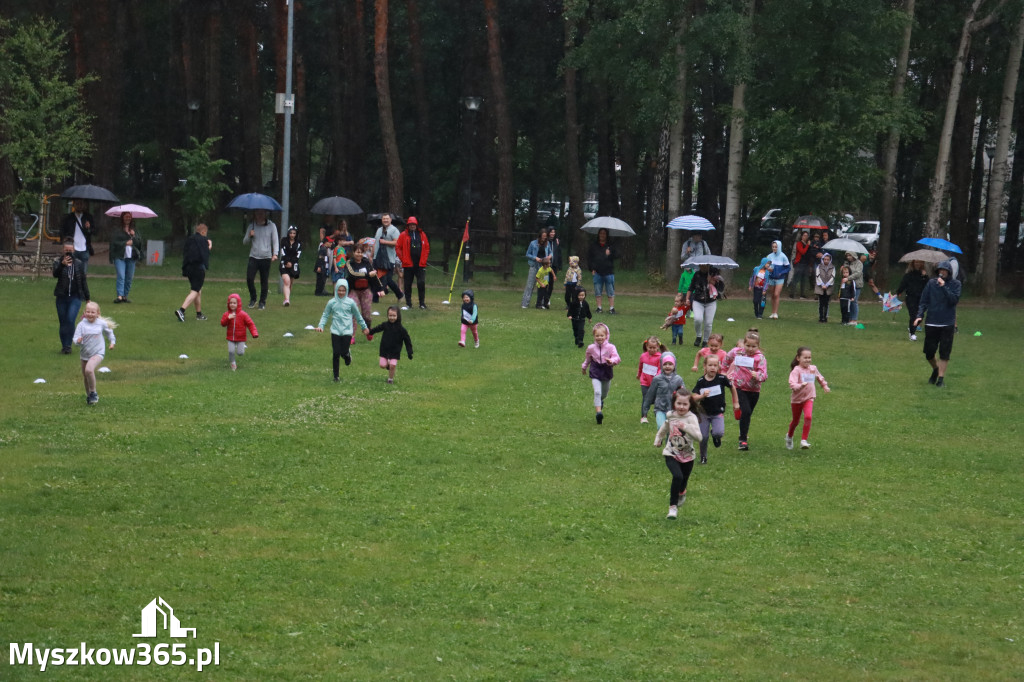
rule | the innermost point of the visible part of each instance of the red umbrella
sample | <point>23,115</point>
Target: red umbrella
<point>810,222</point>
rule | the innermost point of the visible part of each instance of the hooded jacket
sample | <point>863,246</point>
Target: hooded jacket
<point>601,358</point>
<point>779,261</point>
<point>403,248</point>
<point>393,335</point>
<point>746,378</point>
<point>939,302</point>
<point>341,310</point>
<point>470,313</point>
<point>765,276</point>
<point>662,387</point>
<point>236,327</point>
<point>824,276</point>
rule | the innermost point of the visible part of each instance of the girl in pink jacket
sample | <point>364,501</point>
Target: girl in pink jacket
<point>650,366</point>
<point>801,381</point>
<point>601,357</point>
<point>747,369</point>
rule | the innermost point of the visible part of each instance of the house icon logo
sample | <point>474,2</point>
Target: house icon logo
<point>150,620</point>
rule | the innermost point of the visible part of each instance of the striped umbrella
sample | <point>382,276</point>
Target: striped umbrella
<point>692,223</point>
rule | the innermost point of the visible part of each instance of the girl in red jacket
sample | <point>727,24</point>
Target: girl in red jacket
<point>237,321</point>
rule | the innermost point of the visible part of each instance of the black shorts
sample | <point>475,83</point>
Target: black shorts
<point>940,338</point>
<point>196,277</point>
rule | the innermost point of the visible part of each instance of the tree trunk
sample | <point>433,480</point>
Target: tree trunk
<point>1014,205</point>
<point>892,147</point>
<point>506,198</point>
<point>731,226</point>
<point>573,172</point>
<point>8,243</point>
<point>424,195</point>
<point>356,105</point>
<point>251,172</point>
<point>396,182</point>
<point>657,220</point>
<point>333,177</point>
<point>935,224</point>
<point>677,137</point>
<point>1000,169</point>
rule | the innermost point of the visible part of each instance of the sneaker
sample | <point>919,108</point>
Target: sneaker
<point>600,417</point>
<point>234,366</point>
<point>913,337</point>
<point>789,442</point>
<point>696,342</point>
<point>286,304</point>
<point>422,307</point>
<point>66,350</point>
<point>389,381</point>
<point>682,499</point>
<point>525,307</point>
<point>804,445</point>
<point>773,316</point>
<point>703,459</point>
<point>673,512</point>
<point>348,359</point>
<point>252,302</point>
<point>611,311</point>
<point>717,440</point>
<point>643,420</point>
<point>92,398</point>
<point>599,309</point>
<point>337,379</point>
<point>476,345</point>
<point>180,314</point>
<point>743,445</point>
<point>462,344</point>
<point>200,317</point>
<point>262,305</point>
<point>934,376</point>
<point>940,382</point>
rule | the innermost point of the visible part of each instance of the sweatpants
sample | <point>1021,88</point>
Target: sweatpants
<point>577,330</point>
<point>680,477</point>
<point>748,401</point>
<point>600,391</point>
<point>235,348</point>
<point>807,408</point>
<point>262,266</point>
<point>643,398</point>
<point>703,319</point>
<point>846,308</point>
<point>715,424</point>
<point>341,345</point>
<point>911,305</point>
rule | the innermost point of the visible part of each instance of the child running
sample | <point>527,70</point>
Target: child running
<point>677,318</point>
<point>650,365</point>
<point>237,321</point>
<point>662,387</point>
<point>600,358</point>
<point>341,310</point>
<point>747,368</point>
<point>710,391</point>
<point>801,380</point>
<point>394,335</point>
<point>470,318</point>
<point>678,432</point>
<point>579,313</point>
<point>89,335</point>
<point>714,347</point>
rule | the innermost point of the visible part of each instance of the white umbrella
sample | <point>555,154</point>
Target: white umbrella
<point>720,262</point>
<point>615,227</point>
<point>137,211</point>
<point>693,223</point>
<point>844,244</point>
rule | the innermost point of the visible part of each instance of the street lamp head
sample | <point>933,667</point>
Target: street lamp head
<point>193,105</point>
<point>472,103</point>
<point>990,152</point>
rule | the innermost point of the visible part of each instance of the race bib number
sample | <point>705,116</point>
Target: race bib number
<point>744,361</point>
<point>807,378</point>
<point>712,390</point>
<point>650,370</point>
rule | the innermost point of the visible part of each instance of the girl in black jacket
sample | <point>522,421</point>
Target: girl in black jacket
<point>394,335</point>
<point>913,283</point>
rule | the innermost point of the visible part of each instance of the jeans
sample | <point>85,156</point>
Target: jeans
<point>84,257</point>
<point>67,314</point>
<point>855,308</point>
<point>703,319</point>
<point>531,282</point>
<point>125,268</point>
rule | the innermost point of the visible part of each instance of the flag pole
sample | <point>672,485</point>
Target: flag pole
<point>458,259</point>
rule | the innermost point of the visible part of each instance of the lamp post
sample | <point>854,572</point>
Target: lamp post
<point>472,105</point>
<point>193,115</point>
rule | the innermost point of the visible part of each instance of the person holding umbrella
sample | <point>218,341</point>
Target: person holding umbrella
<point>601,259</point>
<point>413,249</point>
<point>938,303</point>
<point>127,247</point>
<point>78,226</point>
<point>702,297</point>
<point>262,235</point>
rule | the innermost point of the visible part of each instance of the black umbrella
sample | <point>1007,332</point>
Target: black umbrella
<point>336,206</point>
<point>89,193</point>
<point>374,219</point>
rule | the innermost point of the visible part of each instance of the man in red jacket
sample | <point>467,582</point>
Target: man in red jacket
<point>413,249</point>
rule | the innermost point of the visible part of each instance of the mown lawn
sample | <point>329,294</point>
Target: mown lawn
<point>472,522</point>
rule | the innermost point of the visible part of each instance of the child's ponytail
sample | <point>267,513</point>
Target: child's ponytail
<point>796,359</point>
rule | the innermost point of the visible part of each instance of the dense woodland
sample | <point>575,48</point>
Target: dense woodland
<point>899,110</point>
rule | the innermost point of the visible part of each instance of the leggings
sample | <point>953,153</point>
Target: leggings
<point>715,424</point>
<point>823,300</point>
<point>235,348</point>
<point>89,372</point>
<point>643,397</point>
<point>476,335</point>
<point>704,318</point>
<point>807,407</point>
<point>748,401</point>
<point>341,345</point>
<point>912,304</point>
<point>680,477</point>
<point>600,391</point>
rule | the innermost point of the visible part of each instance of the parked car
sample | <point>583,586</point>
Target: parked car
<point>771,226</point>
<point>589,209</point>
<point>865,231</point>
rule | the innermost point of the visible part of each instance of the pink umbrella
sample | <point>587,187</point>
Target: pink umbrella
<point>136,210</point>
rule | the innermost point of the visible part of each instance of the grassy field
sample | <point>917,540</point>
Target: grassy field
<point>471,522</point>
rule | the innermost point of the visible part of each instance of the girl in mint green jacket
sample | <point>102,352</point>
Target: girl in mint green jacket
<point>341,310</point>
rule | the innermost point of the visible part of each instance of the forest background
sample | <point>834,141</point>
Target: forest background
<point>902,111</point>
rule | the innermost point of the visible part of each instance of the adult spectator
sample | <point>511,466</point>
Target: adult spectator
<point>780,269</point>
<point>262,235</point>
<point>413,249</point>
<point>938,305</point>
<point>802,264</point>
<point>857,274</point>
<point>194,264</point>
<point>694,246</point>
<point>78,226</point>
<point>556,252</point>
<point>70,291</point>
<point>387,238</point>
<point>705,288</point>
<point>127,247</point>
<point>538,253</point>
<point>601,260</point>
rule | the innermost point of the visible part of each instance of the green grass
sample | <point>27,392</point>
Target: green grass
<point>472,522</point>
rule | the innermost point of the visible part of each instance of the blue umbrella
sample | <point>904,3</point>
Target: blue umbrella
<point>937,243</point>
<point>254,200</point>
<point>693,223</point>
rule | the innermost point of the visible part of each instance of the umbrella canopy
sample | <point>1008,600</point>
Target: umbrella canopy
<point>615,227</point>
<point>89,193</point>
<point>693,223</point>
<point>810,222</point>
<point>254,200</point>
<point>720,262</point>
<point>374,219</point>
<point>137,211</point>
<point>335,206</point>
<point>924,255</point>
<point>844,244</point>
<point>937,243</point>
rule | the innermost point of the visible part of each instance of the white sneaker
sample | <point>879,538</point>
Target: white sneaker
<point>476,345</point>
<point>673,512</point>
<point>773,316</point>
<point>643,420</point>
<point>804,445</point>
<point>789,442</point>
<point>913,337</point>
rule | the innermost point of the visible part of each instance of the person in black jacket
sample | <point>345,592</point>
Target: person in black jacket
<point>579,313</point>
<point>71,290</point>
<point>194,265</point>
<point>601,260</point>
<point>913,283</point>
<point>78,226</point>
<point>394,335</point>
